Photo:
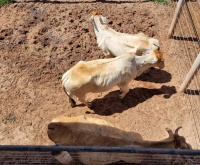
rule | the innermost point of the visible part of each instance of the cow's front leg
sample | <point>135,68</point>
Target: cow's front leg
<point>124,89</point>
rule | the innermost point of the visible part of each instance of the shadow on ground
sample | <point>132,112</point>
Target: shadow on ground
<point>156,76</point>
<point>111,103</point>
<point>192,92</point>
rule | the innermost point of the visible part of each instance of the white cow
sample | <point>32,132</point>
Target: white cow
<point>114,43</point>
<point>102,74</point>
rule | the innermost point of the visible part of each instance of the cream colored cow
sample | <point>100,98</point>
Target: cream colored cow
<point>114,43</point>
<point>102,74</point>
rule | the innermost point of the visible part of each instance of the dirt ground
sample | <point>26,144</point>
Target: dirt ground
<point>40,40</point>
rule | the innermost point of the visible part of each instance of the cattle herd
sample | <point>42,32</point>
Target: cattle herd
<point>127,57</point>
<point>130,55</point>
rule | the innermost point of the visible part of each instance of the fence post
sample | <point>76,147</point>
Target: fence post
<point>198,1</point>
<point>190,74</point>
<point>175,18</point>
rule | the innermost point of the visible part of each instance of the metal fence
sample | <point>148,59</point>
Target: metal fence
<point>185,37</point>
<point>115,155</point>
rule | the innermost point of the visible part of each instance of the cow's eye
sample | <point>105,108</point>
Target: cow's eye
<point>157,46</point>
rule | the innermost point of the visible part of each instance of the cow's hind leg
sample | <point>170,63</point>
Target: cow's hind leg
<point>108,54</point>
<point>124,89</point>
<point>81,98</point>
<point>71,100</point>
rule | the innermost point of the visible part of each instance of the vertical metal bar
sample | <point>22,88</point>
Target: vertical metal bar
<point>190,74</point>
<point>198,1</point>
<point>175,18</point>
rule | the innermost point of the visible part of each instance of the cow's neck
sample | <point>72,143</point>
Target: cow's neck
<point>141,64</point>
<point>167,143</point>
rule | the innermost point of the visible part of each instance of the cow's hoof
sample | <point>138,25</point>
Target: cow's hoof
<point>89,105</point>
<point>121,96</point>
<point>73,105</point>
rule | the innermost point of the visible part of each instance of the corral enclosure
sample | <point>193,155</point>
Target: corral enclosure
<point>40,40</point>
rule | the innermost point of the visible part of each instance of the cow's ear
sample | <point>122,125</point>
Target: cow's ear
<point>153,61</point>
<point>91,19</point>
<point>103,19</point>
<point>146,51</point>
<point>150,60</point>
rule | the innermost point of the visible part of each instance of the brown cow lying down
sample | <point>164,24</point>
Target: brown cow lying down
<point>86,131</point>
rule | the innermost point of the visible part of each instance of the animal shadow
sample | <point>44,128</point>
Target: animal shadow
<point>156,76</point>
<point>111,103</point>
<point>185,38</point>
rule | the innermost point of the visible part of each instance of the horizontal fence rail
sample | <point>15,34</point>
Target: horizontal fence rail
<point>100,149</point>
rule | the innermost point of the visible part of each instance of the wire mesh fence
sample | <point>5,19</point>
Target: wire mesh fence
<point>27,157</point>
<point>97,155</point>
<point>187,43</point>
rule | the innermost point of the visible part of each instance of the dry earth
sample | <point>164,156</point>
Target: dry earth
<point>40,40</point>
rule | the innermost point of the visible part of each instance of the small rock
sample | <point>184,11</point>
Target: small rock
<point>11,117</point>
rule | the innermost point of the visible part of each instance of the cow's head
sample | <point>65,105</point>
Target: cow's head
<point>179,141</point>
<point>155,44</point>
<point>97,15</point>
<point>154,58</point>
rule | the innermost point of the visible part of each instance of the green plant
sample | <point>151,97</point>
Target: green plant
<point>164,2</point>
<point>2,2</point>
